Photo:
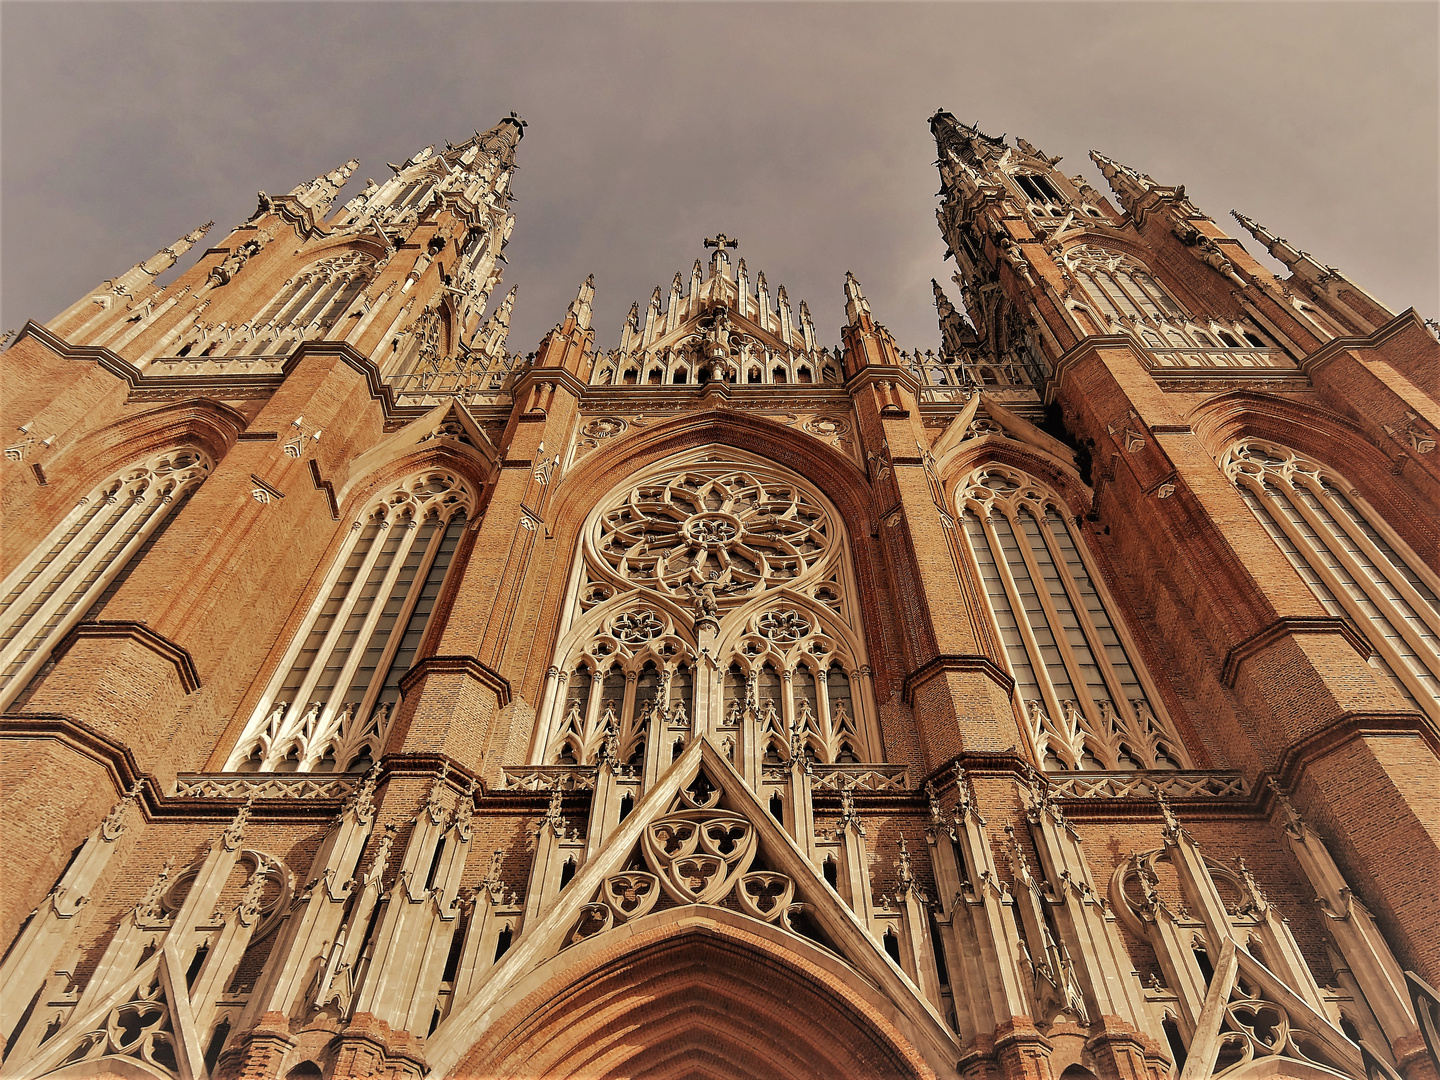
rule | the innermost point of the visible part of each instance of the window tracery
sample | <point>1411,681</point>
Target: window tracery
<point>1354,564</point>
<point>1087,704</point>
<point>752,558</point>
<point>70,576</point>
<point>1126,296</point>
<point>330,703</point>
<point>304,308</point>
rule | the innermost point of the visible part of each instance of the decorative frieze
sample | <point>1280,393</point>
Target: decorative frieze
<point>265,786</point>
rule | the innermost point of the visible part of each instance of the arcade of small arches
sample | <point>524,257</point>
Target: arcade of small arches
<point>789,685</point>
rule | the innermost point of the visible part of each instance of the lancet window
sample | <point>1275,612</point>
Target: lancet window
<point>1038,190</point>
<point>71,575</point>
<point>305,308</point>
<point>1087,701</point>
<point>329,705</point>
<point>713,594</point>
<point>308,304</point>
<point>1127,296</point>
<point>1354,563</point>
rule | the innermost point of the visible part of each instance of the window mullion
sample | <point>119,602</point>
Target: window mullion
<point>1362,577</point>
<point>1088,629</point>
<point>47,575</point>
<point>74,605</point>
<point>335,700</point>
<point>1022,620</point>
<point>297,643</point>
<point>407,607</point>
<point>1415,565</point>
<point>1368,625</point>
<point>337,624</point>
<point>1057,627</point>
<point>1425,610</point>
<point>84,516</point>
<point>58,594</point>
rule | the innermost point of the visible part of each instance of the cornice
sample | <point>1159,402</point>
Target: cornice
<point>462,665</point>
<point>141,634</point>
<point>1285,627</point>
<point>540,375</point>
<point>950,662</point>
<point>1346,727</point>
<point>1338,346</point>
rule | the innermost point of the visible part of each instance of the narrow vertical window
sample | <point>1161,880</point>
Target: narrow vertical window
<point>70,574</point>
<point>1354,564</point>
<point>1086,701</point>
<point>331,703</point>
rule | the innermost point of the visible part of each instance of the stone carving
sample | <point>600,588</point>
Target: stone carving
<point>782,625</point>
<point>827,426</point>
<point>603,427</point>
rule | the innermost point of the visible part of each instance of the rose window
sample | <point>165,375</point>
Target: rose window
<point>737,527</point>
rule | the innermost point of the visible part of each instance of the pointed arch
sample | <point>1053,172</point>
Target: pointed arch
<point>1080,682</point>
<point>833,475</point>
<point>1409,503</point>
<point>69,577</point>
<point>716,998</point>
<point>1354,563</point>
<point>330,699</point>
<point>775,553</point>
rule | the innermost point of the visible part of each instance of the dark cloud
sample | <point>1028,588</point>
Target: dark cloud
<point>799,128</point>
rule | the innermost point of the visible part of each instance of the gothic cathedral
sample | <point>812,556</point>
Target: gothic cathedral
<point>1061,703</point>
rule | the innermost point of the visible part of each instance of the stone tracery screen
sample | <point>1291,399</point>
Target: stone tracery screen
<point>1088,703</point>
<point>713,594</point>
<point>1355,565</point>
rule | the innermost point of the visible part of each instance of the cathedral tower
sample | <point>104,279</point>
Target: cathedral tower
<point>721,699</point>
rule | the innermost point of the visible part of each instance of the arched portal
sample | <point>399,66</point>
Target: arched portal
<point>692,1000</point>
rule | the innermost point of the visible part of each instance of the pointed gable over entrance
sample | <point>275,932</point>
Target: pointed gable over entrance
<point>697,892</point>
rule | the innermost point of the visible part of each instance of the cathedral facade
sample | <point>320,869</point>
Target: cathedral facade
<point>1061,703</point>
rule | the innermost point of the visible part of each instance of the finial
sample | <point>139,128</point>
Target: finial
<point>1167,812</point>
<point>235,833</point>
<point>907,878</point>
<point>149,908</point>
<point>465,810</point>
<point>855,302</point>
<point>849,815</point>
<point>114,823</point>
<point>554,819</point>
<point>434,803</point>
<point>720,241</point>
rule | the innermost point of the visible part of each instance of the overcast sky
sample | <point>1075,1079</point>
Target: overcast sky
<point>798,128</point>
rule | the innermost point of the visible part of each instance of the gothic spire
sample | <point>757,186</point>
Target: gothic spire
<point>1277,246</point>
<point>319,193</point>
<point>855,301</point>
<point>499,144</point>
<point>165,258</point>
<point>1129,185</point>
<point>490,338</point>
<point>581,307</point>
